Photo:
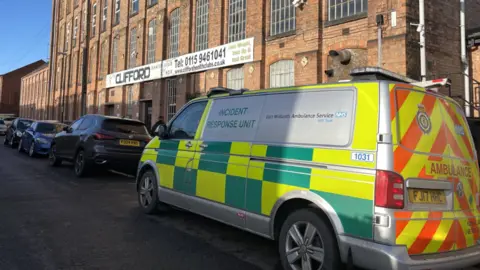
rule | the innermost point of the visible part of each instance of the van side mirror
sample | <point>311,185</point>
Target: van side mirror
<point>161,131</point>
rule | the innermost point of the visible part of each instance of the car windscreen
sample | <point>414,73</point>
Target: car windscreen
<point>49,128</point>
<point>124,126</point>
<point>24,124</point>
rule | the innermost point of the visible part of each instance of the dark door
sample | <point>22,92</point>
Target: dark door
<point>109,110</point>
<point>147,115</point>
<point>64,138</point>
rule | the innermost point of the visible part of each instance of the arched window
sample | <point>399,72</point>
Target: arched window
<point>282,73</point>
<point>174,33</point>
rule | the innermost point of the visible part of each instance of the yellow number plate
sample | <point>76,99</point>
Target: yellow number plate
<point>427,196</point>
<point>129,143</point>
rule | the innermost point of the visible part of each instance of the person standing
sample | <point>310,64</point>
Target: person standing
<point>159,122</point>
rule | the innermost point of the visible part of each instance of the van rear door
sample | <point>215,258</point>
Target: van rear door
<point>432,164</point>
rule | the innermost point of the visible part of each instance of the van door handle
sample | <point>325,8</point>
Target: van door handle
<point>188,144</point>
<point>203,145</point>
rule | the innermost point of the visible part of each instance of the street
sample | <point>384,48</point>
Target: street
<point>52,220</point>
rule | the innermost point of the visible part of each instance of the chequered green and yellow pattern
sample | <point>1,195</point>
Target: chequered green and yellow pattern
<point>223,171</point>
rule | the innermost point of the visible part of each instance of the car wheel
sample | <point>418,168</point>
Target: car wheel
<point>31,150</point>
<point>53,160</point>
<point>20,146</point>
<point>10,142</point>
<point>148,193</point>
<point>81,166</point>
<point>5,141</point>
<point>307,242</point>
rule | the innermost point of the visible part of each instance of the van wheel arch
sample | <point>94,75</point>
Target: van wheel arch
<point>290,206</point>
<point>144,169</point>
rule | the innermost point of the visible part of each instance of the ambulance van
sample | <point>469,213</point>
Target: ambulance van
<point>375,172</point>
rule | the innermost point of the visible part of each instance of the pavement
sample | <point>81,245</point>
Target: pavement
<point>49,219</point>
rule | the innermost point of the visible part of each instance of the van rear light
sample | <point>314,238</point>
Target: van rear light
<point>389,190</point>
<point>100,136</point>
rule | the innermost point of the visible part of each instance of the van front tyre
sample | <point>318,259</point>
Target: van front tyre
<point>307,242</point>
<point>148,193</point>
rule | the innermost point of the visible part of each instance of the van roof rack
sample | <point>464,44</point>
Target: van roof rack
<point>223,90</point>
<point>376,73</point>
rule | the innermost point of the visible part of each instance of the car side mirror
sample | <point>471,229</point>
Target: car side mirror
<point>161,131</point>
<point>66,129</point>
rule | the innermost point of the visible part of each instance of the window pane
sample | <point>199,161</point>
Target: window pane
<point>282,74</point>
<point>338,9</point>
<point>185,125</point>
<point>152,38</point>
<point>201,33</point>
<point>174,33</point>
<point>171,98</point>
<point>237,11</point>
<point>235,78</point>
<point>133,48</point>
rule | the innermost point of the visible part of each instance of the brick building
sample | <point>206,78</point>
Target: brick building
<point>10,84</point>
<point>34,98</point>
<point>131,45</point>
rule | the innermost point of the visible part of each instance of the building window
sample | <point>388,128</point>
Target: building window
<point>152,2</point>
<point>152,38</point>
<point>94,19</point>
<point>235,78</point>
<point>117,11</point>
<point>282,18</point>
<point>103,59</point>
<point>72,69</point>
<point>90,66</point>
<point>99,100</point>
<point>171,98</point>
<point>67,41</point>
<point>133,48</point>
<point>80,69</point>
<point>104,15</point>
<point>201,31</point>
<point>60,11</point>
<point>134,7</point>
<point>174,33</point>
<point>237,18</point>
<point>338,9</point>
<point>61,37</point>
<point>114,54</point>
<point>69,6</point>
<point>75,30</point>
<point>75,3</point>
<point>129,101</point>
<point>84,24</point>
<point>282,74</point>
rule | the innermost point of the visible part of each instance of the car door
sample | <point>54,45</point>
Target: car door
<point>64,138</point>
<point>79,134</point>
<point>28,136</point>
<point>176,153</point>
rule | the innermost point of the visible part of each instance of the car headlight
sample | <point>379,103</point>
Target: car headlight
<point>19,134</point>
<point>41,140</point>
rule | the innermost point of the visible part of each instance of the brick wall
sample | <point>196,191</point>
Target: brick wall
<point>34,94</point>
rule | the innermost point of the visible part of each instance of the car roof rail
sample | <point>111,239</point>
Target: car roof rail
<point>224,90</point>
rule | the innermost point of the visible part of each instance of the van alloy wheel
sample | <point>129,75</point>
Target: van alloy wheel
<point>146,192</point>
<point>304,247</point>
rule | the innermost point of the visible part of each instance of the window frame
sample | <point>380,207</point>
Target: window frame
<point>232,37</point>
<point>274,65</point>
<point>152,41</point>
<point>133,4</point>
<point>276,8</point>
<point>75,32</point>
<point>117,13</point>
<point>169,104</point>
<point>179,114</point>
<point>174,33</point>
<point>201,24</point>
<point>132,60</point>
<point>152,3</point>
<point>94,20</point>
<point>345,3</point>
<point>233,72</point>
<point>114,61</point>
<point>104,16</point>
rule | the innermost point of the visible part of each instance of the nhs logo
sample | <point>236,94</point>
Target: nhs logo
<point>340,114</point>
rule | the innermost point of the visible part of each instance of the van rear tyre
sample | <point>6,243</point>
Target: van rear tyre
<point>306,241</point>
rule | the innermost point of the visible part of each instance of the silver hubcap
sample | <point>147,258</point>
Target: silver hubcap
<point>146,192</point>
<point>79,162</point>
<point>304,247</point>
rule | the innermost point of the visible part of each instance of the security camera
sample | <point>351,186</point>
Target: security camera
<point>298,3</point>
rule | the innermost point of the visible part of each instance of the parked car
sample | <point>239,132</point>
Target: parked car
<point>3,127</point>
<point>100,141</point>
<point>8,120</point>
<point>15,131</point>
<point>38,137</point>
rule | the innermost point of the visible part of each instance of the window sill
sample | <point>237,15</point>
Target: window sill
<point>133,14</point>
<point>282,35</point>
<point>352,18</point>
<point>151,5</point>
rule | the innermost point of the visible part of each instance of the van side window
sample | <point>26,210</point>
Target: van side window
<point>185,125</point>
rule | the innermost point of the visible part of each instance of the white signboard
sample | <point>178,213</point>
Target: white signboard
<point>234,53</point>
<point>315,118</point>
<point>135,75</point>
<point>233,119</point>
<point>230,54</point>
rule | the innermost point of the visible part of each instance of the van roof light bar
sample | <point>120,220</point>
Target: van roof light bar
<point>376,73</point>
<point>223,90</point>
<point>434,83</point>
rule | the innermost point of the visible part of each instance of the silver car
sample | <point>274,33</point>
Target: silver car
<point>3,127</point>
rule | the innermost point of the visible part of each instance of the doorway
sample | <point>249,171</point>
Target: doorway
<point>110,110</point>
<point>147,114</point>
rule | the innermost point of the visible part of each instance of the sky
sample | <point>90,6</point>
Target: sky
<point>24,32</point>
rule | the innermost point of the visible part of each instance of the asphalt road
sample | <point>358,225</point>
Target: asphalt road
<point>51,220</point>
